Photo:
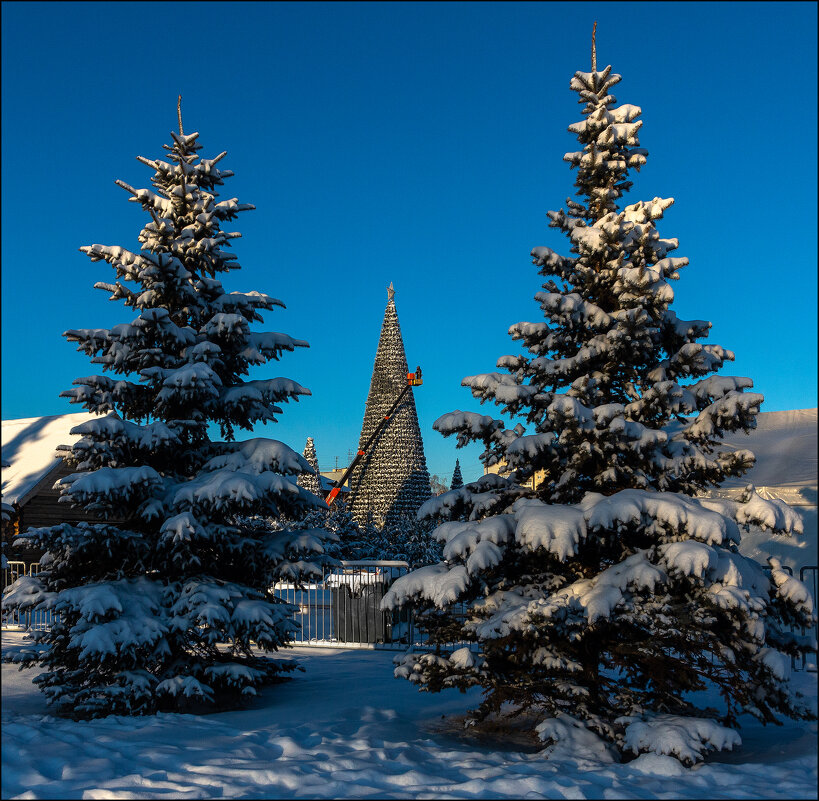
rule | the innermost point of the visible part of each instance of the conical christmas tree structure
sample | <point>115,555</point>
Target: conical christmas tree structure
<point>310,481</point>
<point>392,479</point>
<point>457,478</point>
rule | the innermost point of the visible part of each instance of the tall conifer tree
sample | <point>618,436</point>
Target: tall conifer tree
<point>158,606</point>
<point>603,598</point>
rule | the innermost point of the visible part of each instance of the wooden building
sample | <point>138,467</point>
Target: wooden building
<point>31,467</point>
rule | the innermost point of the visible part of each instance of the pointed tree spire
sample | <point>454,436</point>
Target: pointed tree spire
<point>392,480</point>
<point>457,478</point>
<point>309,481</point>
<point>594,47</point>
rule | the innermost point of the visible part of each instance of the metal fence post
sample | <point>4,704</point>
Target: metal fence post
<point>812,571</point>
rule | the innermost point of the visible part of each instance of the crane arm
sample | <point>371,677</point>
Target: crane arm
<point>413,380</point>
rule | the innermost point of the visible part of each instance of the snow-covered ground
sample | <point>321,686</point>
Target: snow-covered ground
<point>344,728</point>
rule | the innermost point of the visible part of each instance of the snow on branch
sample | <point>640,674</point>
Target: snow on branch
<point>262,346</point>
<point>468,426</point>
<point>109,486</point>
<point>112,427</point>
<point>268,390</point>
<point>688,739</point>
<point>439,584</point>
<point>475,500</point>
<point>255,456</point>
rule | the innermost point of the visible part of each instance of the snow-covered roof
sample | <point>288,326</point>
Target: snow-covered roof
<point>327,484</point>
<point>785,445</point>
<point>29,450</point>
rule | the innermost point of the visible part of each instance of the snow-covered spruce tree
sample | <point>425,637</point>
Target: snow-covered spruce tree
<point>159,606</point>
<point>403,538</point>
<point>311,481</point>
<point>342,535</point>
<point>411,540</point>
<point>600,600</point>
<point>340,522</point>
<point>457,478</point>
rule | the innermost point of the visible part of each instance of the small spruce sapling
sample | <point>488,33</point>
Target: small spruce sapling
<point>311,481</point>
<point>457,478</point>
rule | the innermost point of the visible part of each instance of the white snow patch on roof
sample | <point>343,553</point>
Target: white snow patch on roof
<point>785,445</point>
<point>29,449</point>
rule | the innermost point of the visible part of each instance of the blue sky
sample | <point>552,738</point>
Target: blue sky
<point>415,143</point>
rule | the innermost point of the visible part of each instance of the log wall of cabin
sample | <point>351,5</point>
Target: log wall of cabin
<point>42,508</point>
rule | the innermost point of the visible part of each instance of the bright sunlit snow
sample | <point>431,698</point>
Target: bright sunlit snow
<point>345,728</point>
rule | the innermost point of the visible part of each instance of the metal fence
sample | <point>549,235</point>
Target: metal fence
<point>807,575</point>
<point>28,620</point>
<point>343,607</point>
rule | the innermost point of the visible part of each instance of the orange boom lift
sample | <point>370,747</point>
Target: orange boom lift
<point>413,380</point>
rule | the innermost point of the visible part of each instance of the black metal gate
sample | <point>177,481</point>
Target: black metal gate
<point>343,608</point>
